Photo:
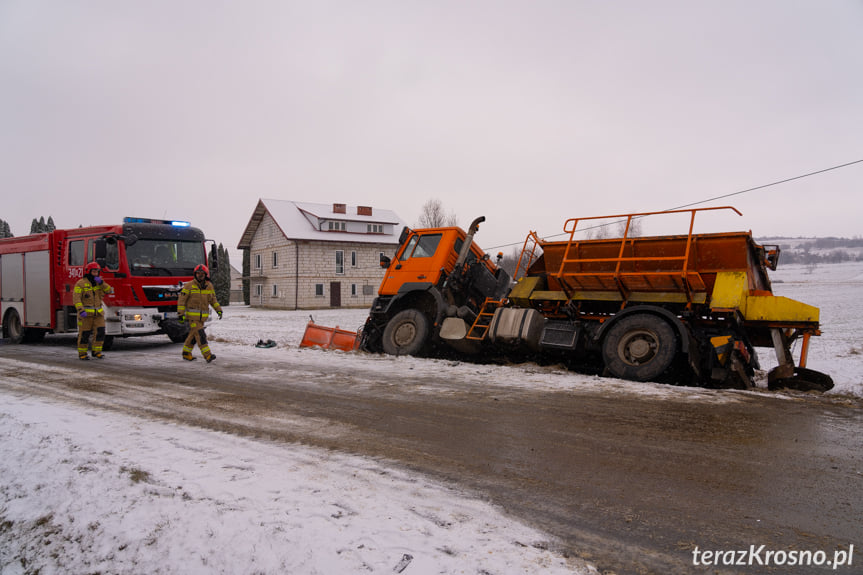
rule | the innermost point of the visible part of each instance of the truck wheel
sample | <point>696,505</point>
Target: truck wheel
<point>406,333</point>
<point>177,337</point>
<point>12,328</point>
<point>639,347</point>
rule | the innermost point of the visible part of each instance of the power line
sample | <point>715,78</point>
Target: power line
<point>768,185</point>
<point>761,187</point>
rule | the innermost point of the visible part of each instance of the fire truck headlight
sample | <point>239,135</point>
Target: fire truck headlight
<point>134,317</point>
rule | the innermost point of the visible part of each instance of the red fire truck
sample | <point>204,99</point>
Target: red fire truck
<point>146,261</point>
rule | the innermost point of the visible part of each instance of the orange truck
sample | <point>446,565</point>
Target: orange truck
<point>686,309</point>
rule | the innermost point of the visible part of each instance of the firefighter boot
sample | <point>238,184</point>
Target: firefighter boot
<point>187,353</point>
<point>83,356</point>
<point>210,357</point>
<point>98,355</point>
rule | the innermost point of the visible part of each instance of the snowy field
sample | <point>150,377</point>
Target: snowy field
<point>88,491</point>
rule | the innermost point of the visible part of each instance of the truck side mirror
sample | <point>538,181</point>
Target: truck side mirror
<point>214,259</point>
<point>404,235</point>
<point>771,258</point>
<point>100,252</point>
<point>385,261</point>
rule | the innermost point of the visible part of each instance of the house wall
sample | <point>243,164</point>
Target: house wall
<point>304,271</point>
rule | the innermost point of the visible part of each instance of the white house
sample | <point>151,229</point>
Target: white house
<point>309,255</point>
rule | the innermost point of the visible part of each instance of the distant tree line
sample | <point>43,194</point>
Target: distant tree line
<point>5,230</point>
<point>808,257</point>
<point>40,226</point>
<point>821,250</point>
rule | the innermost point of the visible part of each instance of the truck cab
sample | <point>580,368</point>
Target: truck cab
<point>436,273</point>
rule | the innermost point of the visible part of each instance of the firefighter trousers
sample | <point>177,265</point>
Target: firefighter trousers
<point>91,327</point>
<point>199,336</point>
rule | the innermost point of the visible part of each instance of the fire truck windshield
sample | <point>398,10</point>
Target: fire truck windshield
<point>164,257</point>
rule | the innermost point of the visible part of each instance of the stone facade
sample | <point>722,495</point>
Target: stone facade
<point>310,274</point>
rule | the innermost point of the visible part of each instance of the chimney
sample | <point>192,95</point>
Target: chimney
<point>364,210</point>
<point>340,209</point>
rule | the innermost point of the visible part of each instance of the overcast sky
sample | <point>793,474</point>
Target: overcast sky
<point>526,112</point>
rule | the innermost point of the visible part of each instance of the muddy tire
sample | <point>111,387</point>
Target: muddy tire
<point>13,330</point>
<point>407,333</point>
<point>639,347</point>
<point>108,343</point>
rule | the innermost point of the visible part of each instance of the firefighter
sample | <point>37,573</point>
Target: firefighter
<point>87,297</point>
<point>194,303</point>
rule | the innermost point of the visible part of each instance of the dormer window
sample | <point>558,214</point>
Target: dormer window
<point>375,229</point>
<point>337,226</point>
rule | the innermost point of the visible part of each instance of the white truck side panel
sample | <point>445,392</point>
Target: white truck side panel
<point>12,277</point>
<point>37,288</point>
<point>11,284</point>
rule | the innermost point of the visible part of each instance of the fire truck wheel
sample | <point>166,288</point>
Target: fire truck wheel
<point>406,333</point>
<point>12,328</point>
<point>177,337</point>
<point>639,347</point>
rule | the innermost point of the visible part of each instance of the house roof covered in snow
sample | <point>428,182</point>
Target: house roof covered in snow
<point>325,222</point>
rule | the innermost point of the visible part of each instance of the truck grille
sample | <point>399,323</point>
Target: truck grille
<point>161,293</point>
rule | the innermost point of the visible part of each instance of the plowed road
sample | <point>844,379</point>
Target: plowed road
<point>633,483</point>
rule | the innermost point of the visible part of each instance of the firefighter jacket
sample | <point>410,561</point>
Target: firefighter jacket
<point>195,300</point>
<point>88,297</point>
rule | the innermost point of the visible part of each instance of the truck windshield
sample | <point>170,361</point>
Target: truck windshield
<point>421,246</point>
<point>164,257</point>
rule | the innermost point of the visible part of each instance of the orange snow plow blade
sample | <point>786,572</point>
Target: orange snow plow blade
<point>329,338</point>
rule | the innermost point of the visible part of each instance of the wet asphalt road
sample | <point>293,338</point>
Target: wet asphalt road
<point>633,483</point>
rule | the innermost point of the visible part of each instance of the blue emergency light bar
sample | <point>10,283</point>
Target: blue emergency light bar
<point>177,223</point>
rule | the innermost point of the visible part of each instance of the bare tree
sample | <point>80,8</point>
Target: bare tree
<point>598,231</point>
<point>433,215</point>
<point>634,228</point>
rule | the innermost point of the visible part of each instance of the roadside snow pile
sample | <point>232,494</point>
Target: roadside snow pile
<point>97,492</point>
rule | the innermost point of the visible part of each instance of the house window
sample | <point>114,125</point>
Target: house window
<point>353,259</point>
<point>340,262</point>
<point>319,290</point>
<point>337,226</point>
<point>275,260</point>
<point>275,290</point>
<point>258,264</point>
<point>353,290</point>
<point>259,290</point>
<point>375,228</point>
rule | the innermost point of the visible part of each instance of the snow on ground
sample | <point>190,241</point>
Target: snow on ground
<point>95,492</point>
<point>88,491</point>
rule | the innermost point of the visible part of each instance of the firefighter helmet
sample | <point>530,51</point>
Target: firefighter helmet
<point>92,266</point>
<point>202,268</point>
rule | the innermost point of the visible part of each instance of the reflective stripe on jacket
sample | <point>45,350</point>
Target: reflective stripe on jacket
<point>88,297</point>
<point>195,300</point>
